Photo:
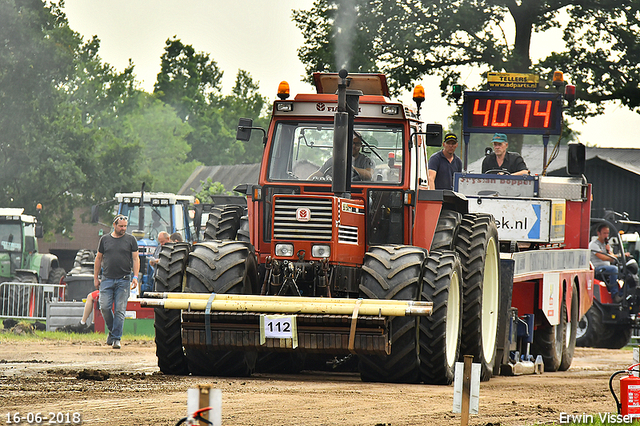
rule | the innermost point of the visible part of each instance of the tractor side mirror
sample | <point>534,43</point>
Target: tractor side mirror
<point>244,129</point>
<point>434,134</point>
<point>576,154</point>
<point>39,230</point>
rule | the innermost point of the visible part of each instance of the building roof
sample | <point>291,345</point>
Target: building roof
<point>229,176</point>
<point>626,158</point>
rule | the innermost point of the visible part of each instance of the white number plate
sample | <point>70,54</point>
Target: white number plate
<point>278,327</point>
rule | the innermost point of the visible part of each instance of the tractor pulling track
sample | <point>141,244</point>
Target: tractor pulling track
<point>42,376</point>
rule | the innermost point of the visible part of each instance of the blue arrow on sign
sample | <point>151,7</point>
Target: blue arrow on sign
<point>535,229</point>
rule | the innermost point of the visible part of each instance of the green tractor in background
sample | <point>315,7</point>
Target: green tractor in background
<point>20,262</point>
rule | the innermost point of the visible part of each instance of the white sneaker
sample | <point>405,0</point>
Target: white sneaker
<point>116,344</point>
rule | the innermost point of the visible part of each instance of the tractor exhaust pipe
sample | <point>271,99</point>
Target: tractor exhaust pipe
<point>348,106</point>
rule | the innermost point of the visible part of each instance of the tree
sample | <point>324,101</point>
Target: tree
<point>60,108</point>
<point>188,80</point>
<point>162,138</point>
<point>190,83</point>
<point>209,189</point>
<point>407,39</point>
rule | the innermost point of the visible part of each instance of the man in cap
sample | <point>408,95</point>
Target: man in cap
<point>500,161</point>
<point>443,164</point>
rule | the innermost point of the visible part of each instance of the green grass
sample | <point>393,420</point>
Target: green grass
<point>6,336</point>
<point>66,337</point>
<point>597,421</point>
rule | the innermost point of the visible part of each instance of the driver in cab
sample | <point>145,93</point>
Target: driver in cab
<point>502,162</point>
<point>362,164</point>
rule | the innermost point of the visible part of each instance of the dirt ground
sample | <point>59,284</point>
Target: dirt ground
<point>45,377</point>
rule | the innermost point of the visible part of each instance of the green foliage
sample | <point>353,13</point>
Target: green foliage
<point>190,83</point>
<point>209,189</point>
<point>75,131</point>
<point>410,39</point>
<point>53,143</point>
<point>162,138</point>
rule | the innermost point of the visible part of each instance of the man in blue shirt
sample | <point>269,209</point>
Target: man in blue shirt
<point>443,164</point>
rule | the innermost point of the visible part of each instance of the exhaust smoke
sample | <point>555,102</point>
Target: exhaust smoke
<point>344,32</point>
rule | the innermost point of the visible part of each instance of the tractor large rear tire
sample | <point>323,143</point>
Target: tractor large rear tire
<point>243,232</point>
<point>83,256</point>
<point>615,337</point>
<point>393,272</point>
<point>590,328</point>
<point>446,230</point>
<point>225,267</point>
<point>56,275</point>
<point>571,329</point>
<point>223,223</point>
<point>167,324</point>
<point>477,246</point>
<point>439,336</point>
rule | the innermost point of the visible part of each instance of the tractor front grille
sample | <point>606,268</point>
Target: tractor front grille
<point>348,234</point>
<point>317,228</point>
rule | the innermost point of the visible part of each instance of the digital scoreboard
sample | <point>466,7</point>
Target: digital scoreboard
<point>512,112</point>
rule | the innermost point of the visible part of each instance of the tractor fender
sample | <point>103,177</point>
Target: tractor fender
<point>48,262</point>
<point>26,273</point>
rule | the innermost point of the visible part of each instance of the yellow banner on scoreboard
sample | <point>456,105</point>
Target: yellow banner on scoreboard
<point>512,81</point>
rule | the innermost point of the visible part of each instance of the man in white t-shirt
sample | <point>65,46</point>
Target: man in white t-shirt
<point>601,258</point>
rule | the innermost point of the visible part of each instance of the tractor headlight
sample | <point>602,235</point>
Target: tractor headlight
<point>284,250</point>
<point>321,250</point>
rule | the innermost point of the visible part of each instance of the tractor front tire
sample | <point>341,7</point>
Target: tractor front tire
<point>167,323</point>
<point>477,246</point>
<point>446,231</point>
<point>224,267</point>
<point>393,272</point>
<point>439,333</point>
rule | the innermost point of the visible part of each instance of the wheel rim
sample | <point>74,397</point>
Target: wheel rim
<point>583,326</point>
<point>490,300</point>
<point>453,318</point>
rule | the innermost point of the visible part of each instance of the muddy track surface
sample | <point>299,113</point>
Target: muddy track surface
<point>111,387</point>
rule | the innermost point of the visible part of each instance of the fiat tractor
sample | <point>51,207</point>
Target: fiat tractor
<point>339,259</point>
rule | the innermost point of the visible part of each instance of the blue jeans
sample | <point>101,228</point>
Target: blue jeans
<point>610,273</point>
<point>114,292</point>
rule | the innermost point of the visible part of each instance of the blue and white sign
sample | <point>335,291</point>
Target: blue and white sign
<point>520,219</point>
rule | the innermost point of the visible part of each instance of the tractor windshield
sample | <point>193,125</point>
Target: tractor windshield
<point>10,237</point>
<point>155,219</point>
<point>303,152</point>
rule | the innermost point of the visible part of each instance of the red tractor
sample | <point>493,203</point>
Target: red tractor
<point>341,213</point>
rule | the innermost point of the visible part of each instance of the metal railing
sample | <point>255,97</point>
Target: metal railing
<point>28,300</point>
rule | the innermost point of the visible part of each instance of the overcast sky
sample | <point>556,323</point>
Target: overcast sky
<point>260,37</point>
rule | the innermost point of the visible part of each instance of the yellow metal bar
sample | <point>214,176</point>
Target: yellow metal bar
<point>292,305</point>
<point>257,297</point>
